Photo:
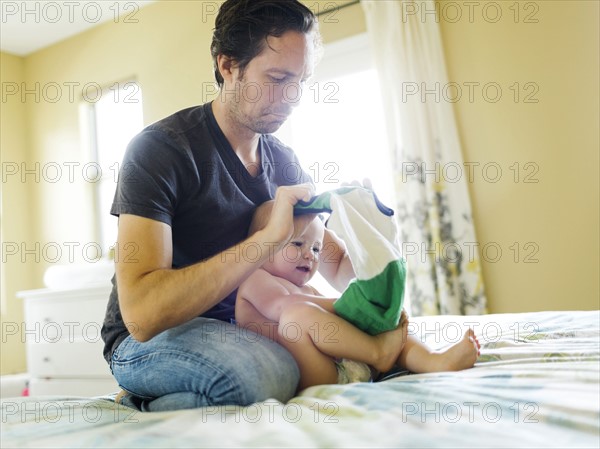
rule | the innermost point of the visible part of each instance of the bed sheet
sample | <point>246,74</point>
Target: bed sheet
<point>536,384</point>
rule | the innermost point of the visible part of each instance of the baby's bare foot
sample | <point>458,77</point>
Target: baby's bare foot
<point>460,356</point>
<point>391,344</point>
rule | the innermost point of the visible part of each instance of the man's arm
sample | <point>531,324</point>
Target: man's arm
<point>154,297</point>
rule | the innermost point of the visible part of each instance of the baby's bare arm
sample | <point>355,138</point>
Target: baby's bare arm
<point>270,294</point>
<point>247,316</point>
<point>264,293</point>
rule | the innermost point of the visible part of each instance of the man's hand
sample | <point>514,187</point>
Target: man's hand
<point>280,227</point>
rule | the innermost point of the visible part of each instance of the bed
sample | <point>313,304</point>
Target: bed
<point>536,384</point>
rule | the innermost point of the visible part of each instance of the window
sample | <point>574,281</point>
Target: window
<point>338,131</point>
<point>112,121</point>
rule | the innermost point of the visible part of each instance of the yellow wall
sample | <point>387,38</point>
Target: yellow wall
<point>335,25</point>
<point>558,215</point>
<point>15,214</point>
<point>167,52</point>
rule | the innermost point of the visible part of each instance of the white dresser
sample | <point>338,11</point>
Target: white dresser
<point>63,342</point>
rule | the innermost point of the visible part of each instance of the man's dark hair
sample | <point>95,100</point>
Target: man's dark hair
<point>242,28</point>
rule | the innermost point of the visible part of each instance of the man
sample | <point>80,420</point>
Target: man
<point>185,197</point>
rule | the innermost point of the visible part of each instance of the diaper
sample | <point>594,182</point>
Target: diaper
<point>350,371</point>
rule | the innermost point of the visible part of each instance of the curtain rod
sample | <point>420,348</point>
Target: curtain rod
<point>337,8</point>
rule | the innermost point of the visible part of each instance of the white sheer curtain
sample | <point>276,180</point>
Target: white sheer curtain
<point>434,211</point>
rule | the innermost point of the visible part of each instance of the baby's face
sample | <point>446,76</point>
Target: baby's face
<point>299,259</point>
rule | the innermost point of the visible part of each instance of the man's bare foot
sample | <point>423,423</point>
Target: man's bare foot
<point>391,344</point>
<point>460,356</point>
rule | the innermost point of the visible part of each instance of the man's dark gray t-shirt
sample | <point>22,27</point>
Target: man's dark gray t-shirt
<point>183,172</point>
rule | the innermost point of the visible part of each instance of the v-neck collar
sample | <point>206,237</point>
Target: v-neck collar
<point>231,160</point>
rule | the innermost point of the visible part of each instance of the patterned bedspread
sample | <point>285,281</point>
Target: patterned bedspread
<point>536,384</point>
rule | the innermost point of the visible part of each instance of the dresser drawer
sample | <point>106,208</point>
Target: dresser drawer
<point>49,321</point>
<point>66,359</point>
<point>57,311</point>
<point>56,315</point>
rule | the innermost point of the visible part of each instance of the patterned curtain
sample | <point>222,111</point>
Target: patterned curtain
<point>433,207</point>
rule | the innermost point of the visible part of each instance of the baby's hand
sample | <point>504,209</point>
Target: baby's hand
<point>403,317</point>
<point>404,326</point>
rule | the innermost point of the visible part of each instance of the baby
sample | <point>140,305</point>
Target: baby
<point>277,301</point>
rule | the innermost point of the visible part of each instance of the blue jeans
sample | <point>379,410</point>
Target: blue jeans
<point>201,363</point>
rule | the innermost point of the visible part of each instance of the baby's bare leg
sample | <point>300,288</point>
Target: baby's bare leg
<point>316,368</point>
<point>418,358</point>
<point>315,336</point>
